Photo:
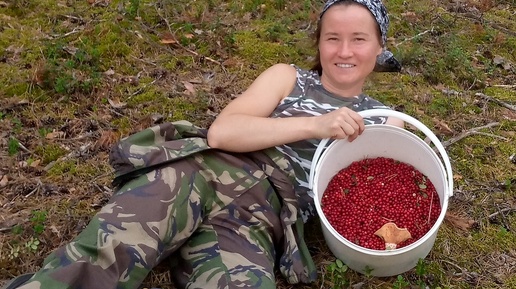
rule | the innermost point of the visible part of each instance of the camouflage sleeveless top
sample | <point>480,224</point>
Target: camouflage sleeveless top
<point>310,98</point>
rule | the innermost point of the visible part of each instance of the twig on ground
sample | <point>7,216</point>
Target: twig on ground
<point>491,135</point>
<point>73,17</point>
<point>497,101</point>
<point>81,137</point>
<point>68,156</point>
<point>12,106</point>
<point>504,222</point>
<point>502,212</point>
<point>504,85</point>
<point>481,20</point>
<point>144,61</point>
<point>104,190</point>
<point>414,37</point>
<point>40,184</point>
<point>74,31</point>
<point>5,229</point>
<point>141,89</point>
<point>20,145</point>
<point>116,112</point>
<point>462,270</point>
<point>467,133</point>
<point>102,175</point>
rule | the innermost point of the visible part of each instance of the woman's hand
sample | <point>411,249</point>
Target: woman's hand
<point>339,124</point>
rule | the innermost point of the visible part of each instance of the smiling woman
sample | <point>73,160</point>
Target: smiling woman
<point>349,44</point>
<point>227,204</point>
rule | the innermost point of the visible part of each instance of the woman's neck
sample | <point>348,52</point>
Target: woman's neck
<point>342,90</point>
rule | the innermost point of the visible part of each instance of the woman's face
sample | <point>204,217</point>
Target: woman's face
<point>348,46</point>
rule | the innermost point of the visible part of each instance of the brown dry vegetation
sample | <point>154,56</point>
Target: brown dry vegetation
<point>75,76</point>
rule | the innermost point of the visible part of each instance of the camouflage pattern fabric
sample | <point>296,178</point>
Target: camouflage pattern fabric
<point>225,220</point>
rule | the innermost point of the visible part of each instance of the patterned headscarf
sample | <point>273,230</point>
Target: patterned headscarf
<point>376,8</point>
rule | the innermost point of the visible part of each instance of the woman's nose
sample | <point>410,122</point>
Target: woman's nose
<point>345,49</point>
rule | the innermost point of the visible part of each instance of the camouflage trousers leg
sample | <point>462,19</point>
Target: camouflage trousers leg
<point>234,247</point>
<point>224,221</point>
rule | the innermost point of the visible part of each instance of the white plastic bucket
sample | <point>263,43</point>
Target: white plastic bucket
<point>381,140</point>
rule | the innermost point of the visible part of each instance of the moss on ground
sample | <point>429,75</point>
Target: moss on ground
<point>78,75</point>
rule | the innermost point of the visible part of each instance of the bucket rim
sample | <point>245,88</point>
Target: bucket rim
<point>406,118</point>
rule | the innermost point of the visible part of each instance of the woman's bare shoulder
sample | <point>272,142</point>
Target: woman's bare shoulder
<point>283,68</point>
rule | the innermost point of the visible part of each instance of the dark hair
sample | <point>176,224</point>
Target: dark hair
<point>317,36</point>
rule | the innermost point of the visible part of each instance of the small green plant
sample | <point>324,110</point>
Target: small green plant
<point>508,184</point>
<point>337,270</point>
<point>13,146</point>
<point>37,220</point>
<point>44,131</point>
<point>400,283</point>
<point>421,271</point>
<point>502,232</point>
<point>14,252</point>
<point>134,6</point>
<point>421,267</point>
<point>32,244</point>
<point>17,124</point>
<point>17,229</point>
<point>368,271</point>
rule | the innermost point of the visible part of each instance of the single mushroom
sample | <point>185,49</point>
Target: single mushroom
<point>392,235</point>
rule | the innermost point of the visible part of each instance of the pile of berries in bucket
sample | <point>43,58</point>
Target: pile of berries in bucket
<point>381,203</point>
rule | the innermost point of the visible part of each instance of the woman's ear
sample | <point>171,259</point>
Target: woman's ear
<point>380,51</point>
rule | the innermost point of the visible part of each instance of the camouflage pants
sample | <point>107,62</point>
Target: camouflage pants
<point>214,214</point>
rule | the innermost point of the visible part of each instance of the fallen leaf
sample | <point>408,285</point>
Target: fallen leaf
<point>420,111</point>
<point>4,181</point>
<point>443,127</point>
<point>460,222</point>
<point>168,38</point>
<point>35,163</point>
<point>189,87</point>
<point>189,36</point>
<point>116,103</point>
<point>55,134</point>
<point>54,229</point>
<point>168,41</point>
<point>106,139</point>
<point>196,80</point>
<point>410,16</point>
<point>498,60</point>
<point>109,72</point>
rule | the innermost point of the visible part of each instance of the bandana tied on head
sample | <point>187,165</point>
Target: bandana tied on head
<point>385,61</point>
<point>376,8</point>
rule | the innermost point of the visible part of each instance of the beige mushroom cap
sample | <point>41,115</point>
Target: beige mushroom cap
<point>392,235</point>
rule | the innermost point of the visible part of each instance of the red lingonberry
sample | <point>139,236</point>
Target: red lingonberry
<point>368,193</point>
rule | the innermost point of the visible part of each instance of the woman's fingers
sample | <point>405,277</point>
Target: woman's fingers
<point>351,130</point>
<point>349,124</point>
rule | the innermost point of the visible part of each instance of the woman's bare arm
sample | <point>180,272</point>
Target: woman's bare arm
<point>244,125</point>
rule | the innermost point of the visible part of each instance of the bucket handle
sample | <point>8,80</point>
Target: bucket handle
<point>407,118</point>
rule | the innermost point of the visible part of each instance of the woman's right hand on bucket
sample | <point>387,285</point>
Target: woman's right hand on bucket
<point>339,124</point>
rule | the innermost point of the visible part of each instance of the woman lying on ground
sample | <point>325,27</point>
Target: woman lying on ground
<point>227,204</point>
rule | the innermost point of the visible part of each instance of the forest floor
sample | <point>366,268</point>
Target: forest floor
<point>76,76</point>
